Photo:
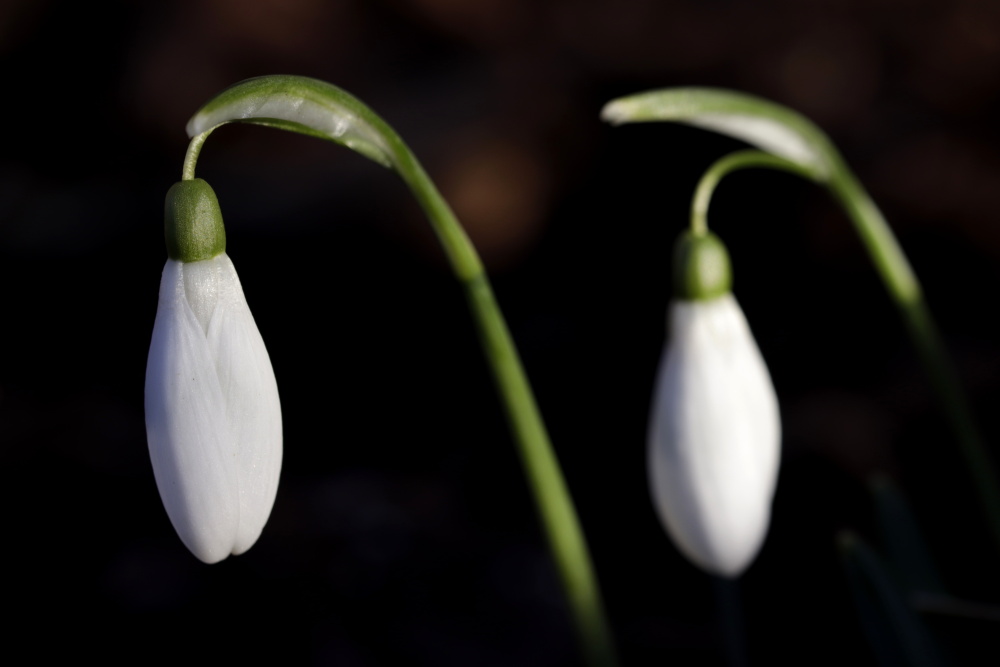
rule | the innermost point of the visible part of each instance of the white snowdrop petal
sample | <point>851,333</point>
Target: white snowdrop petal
<point>190,443</point>
<point>714,442</point>
<point>213,417</point>
<point>253,409</point>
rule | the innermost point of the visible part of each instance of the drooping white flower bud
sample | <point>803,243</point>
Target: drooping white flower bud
<point>213,418</point>
<point>714,436</point>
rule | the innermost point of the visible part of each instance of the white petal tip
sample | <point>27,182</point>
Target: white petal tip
<point>615,112</point>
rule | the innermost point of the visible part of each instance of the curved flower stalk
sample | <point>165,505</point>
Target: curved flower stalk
<point>797,145</point>
<point>213,418</point>
<point>714,434</point>
<point>319,109</point>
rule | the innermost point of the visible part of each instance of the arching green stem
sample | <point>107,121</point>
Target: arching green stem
<point>903,288</point>
<point>734,162</point>
<point>319,109</point>
<point>555,506</point>
<point>906,293</point>
<point>191,157</point>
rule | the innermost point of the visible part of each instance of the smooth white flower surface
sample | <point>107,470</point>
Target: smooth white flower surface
<point>213,419</point>
<point>714,437</point>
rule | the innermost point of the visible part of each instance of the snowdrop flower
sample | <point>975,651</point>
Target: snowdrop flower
<point>213,419</point>
<point>714,435</point>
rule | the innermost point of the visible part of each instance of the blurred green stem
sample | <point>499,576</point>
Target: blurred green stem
<point>895,631</point>
<point>904,290</point>
<point>726,165</point>
<point>565,536</point>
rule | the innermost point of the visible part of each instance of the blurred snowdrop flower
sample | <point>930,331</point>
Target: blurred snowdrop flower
<point>213,419</point>
<point>714,435</point>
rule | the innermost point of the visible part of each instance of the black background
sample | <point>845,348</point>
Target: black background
<point>403,532</point>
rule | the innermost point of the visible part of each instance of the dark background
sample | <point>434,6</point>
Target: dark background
<point>403,532</point>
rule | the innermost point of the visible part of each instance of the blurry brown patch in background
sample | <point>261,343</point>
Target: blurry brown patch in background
<point>499,188</point>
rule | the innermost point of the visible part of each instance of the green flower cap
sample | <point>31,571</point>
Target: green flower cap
<point>193,222</point>
<point>701,267</point>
